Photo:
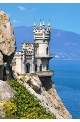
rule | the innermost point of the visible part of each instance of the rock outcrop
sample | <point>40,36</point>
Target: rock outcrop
<point>6,92</point>
<point>45,91</point>
<point>7,45</point>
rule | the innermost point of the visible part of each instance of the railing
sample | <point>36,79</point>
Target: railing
<point>44,55</point>
<point>45,73</point>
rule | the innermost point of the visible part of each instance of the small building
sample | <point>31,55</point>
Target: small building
<point>34,57</point>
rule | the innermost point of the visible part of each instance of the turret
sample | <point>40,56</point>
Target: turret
<point>49,25</point>
<point>34,24</point>
<point>42,39</point>
<point>40,24</point>
<point>41,34</point>
<point>43,23</point>
<point>41,43</point>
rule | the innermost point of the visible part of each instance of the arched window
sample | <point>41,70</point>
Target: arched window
<point>47,50</point>
<point>47,67</point>
<point>35,67</point>
<point>27,68</point>
<point>40,67</point>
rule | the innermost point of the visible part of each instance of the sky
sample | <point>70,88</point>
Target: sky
<point>65,16</point>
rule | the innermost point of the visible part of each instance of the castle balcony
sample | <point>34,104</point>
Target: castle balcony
<point>44,56</point>
<point>47,73</point>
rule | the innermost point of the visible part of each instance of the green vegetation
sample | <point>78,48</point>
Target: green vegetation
<point>24,105</point>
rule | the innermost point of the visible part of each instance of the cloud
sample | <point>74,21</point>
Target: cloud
<point>15,21</point>
<point>21,8</point>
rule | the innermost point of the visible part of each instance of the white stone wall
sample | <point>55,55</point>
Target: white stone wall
<point>41,50</point>
<point>20,62</point>
<point>20,68</point>
<point>18,65</point>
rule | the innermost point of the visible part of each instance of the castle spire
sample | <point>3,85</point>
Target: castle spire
<point>49,25</point>
<point>43,23</point>
<point>34,23</point>
<point>40,23</point>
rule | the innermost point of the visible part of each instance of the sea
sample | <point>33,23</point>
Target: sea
<point>67,83</point>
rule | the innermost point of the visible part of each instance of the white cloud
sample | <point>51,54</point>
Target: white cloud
<point>15,21</point>
<point>21,8</point>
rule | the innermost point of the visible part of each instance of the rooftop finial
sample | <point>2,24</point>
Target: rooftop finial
<point>49,25</point>
<point>40,23</point>
<point>43,23</point>
<point>34,23</point>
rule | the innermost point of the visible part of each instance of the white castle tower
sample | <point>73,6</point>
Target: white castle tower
<point>41,42</point>
<point>34,57</point>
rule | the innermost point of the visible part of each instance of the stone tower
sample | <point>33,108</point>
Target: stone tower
<point>41,45</point>
<point>34,57</point>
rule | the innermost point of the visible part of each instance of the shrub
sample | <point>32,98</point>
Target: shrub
<point>9,108</point>
<point>24,104</point>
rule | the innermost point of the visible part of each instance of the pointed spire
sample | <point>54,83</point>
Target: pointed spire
<point>40,23</point>
<point>34,23</point>
<point>49,25</point>
<point>43,23</point>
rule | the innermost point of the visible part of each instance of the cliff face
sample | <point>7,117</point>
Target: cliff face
<point>44,90</point>
<point>6,92</point>
<point>7,45</point>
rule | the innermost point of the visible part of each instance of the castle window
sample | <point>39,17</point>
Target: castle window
<point>35,67</point>
<point>40,67</point>
<point>27,68</point>
<point>47,50</point>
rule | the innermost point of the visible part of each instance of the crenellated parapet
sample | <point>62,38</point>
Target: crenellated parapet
<point>42,33</point>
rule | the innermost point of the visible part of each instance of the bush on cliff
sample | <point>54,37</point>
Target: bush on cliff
<point>24,105</point>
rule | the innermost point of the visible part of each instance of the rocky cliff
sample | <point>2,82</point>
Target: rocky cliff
<point>44,90</point>
<point>6,92</point>
<point>7,45</point>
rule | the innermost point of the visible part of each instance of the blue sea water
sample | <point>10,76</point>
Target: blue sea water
<point>67,83</point>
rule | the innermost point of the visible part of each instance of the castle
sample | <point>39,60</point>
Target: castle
<point>34,57</point>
